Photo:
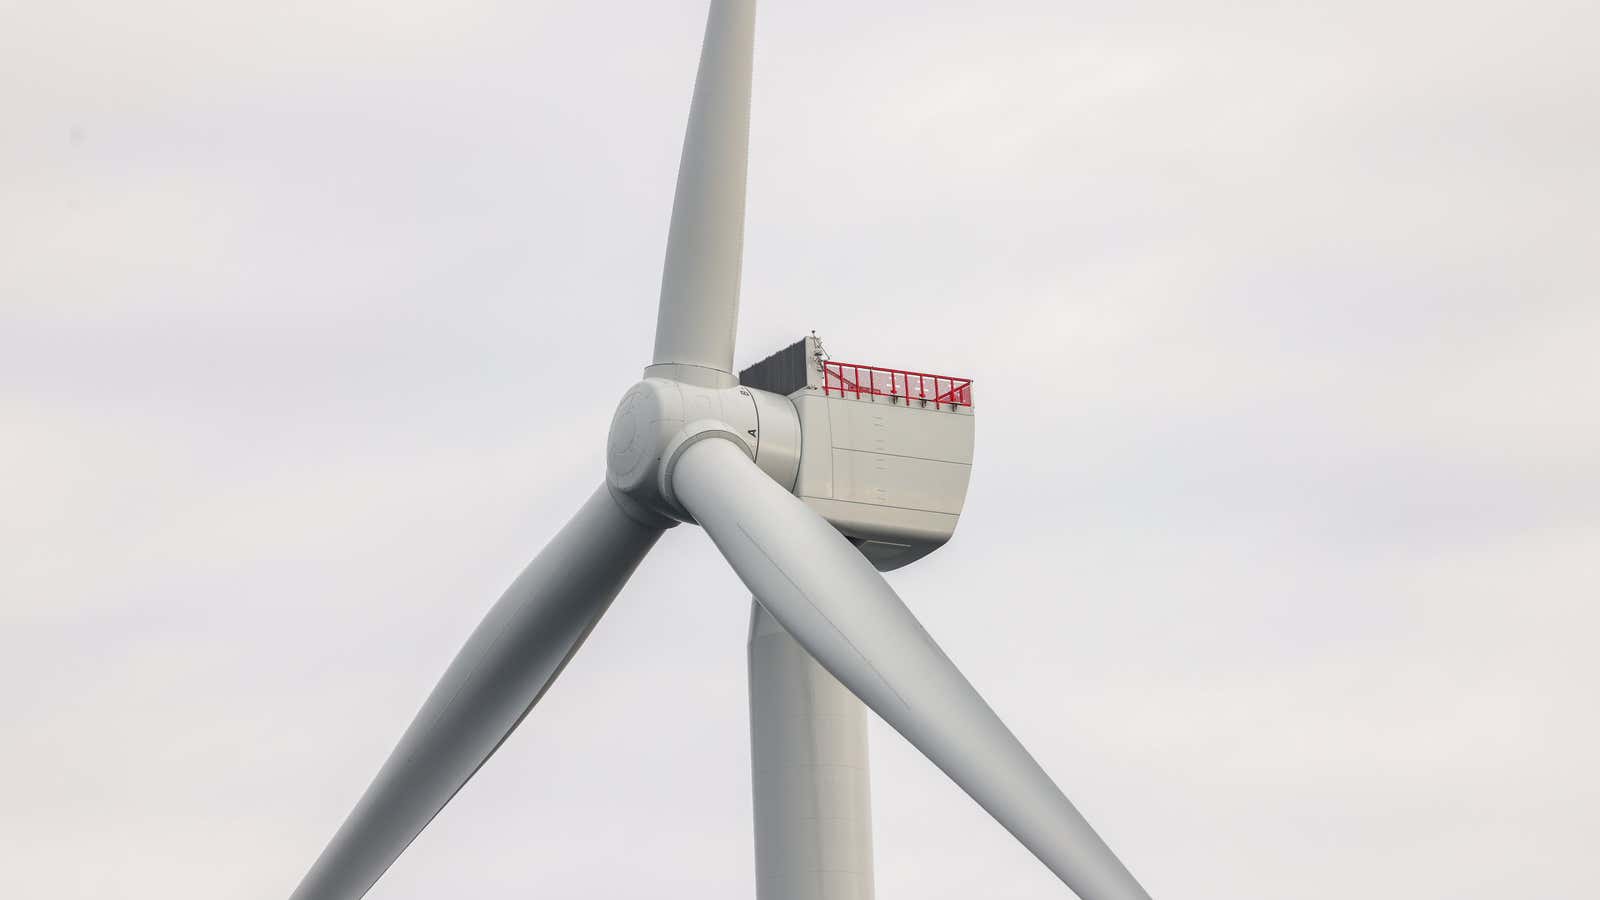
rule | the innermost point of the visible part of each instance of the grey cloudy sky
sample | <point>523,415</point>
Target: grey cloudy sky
<point>1282,545</point>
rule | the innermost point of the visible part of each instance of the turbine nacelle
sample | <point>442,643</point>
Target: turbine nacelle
<point>884,455</point>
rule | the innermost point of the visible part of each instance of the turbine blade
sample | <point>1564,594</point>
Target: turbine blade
<point>505,667</point>
<point>842,611</point>
<point>699,310</point>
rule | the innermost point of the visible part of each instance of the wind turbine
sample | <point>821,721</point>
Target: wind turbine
<point>810,476</point>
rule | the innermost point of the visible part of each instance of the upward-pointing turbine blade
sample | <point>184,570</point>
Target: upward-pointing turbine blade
<point>505,667</point>
<point>842,611</point>
<point>700,284</point>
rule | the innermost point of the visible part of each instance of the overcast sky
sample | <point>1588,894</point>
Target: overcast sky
<point>1281,550</point>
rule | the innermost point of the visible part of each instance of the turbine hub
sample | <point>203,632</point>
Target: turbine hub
<point>658,418</point>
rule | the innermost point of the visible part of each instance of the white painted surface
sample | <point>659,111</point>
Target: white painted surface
<point>885,472</point>
<point>906,482</point>
<point>821,590</point>
<point>808,754</point>
<point>699,310</point>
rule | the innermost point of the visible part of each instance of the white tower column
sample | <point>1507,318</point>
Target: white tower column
<point>808,752</point>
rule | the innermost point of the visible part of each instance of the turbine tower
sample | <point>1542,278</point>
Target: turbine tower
<point>811,476</point>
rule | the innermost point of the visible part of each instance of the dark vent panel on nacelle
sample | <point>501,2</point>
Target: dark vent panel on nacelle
<point>783,372</point>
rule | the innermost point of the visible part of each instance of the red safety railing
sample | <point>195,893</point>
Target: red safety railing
<point>854,380</point>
